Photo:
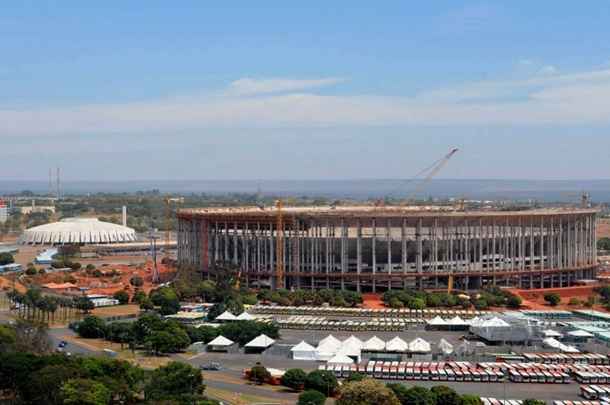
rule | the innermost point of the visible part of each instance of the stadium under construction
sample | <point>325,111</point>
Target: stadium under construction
<point>372,249</point>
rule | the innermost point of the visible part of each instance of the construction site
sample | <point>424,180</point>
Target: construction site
<point>373,249</point>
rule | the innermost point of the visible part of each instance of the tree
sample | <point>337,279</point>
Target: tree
<point>44,384</point>
<point>259,374</point>
<point>139,296</point>
<point>367,391</point>
<point>167,299</point>
<point>322,381</point>
<point>413,396</point>
<point>574,301</point>
<point>311,397</point>
<point>136,281</point>
<point>31,271</point>
<point>122,296</point>
<point>603,243</point>
<point>168,342</point>
<point>202,334</point>
<point>85,392</point>
<point>294,378</point>
<point>84,304</point>
<point>6,258</point>
<point>468,399</point>
<point>513,301</point>
<point>8,338</point>
<point>552,298</point>
<point>175,381</point>
<point>355,377</point>
<point>445,395</point>
<point>416,303</point>
<point>146,304</point>
<point>91,327</point>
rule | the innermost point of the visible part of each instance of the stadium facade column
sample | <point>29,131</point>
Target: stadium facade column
<point>358,253</point>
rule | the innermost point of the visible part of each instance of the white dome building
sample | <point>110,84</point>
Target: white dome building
<point>78,231</point>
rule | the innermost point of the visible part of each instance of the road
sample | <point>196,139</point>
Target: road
<point>230,378</point>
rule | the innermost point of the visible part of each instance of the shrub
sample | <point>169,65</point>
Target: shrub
<point>322,381</point>
<point>552,298</point>
<point>30,271</point>
<point>311,397</point>
<point>574,301</point>
<point>367,391</point>
<point>294,378</point>
<point>513,301</point>
<point>259,374</point>
<point>6,258</point>
<point>91,327</point>
<point>122,296</point>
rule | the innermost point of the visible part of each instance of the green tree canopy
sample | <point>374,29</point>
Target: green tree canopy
<point>311,397</point>
<point>85,392</point>
<point>322,381</point>
<point>552,298</point>
<point>175,381</point>
<point>294,378</point>
<point>367,391</point>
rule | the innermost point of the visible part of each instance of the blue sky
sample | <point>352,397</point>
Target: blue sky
<point>192,90</point>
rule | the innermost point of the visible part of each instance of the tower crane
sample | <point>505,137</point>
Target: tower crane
<point>430,172</point>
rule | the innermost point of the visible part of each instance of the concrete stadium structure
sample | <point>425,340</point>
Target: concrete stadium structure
<point>371,249</point>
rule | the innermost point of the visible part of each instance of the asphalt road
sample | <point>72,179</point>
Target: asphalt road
<point>229,379</point>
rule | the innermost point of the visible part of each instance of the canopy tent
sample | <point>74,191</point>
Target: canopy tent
<point>244,316</point>
<point>551,333</point>
<point>494,322</point>
<point>465,348</point>
<point>261,341</point>
<point>419,345</point>
<point>353,341</point>
<point>341,359</point>
<point>226,316</point>
<point>397,345</point>
<point>436,321</point>
<point>330,341</point>
<point>327,348</point>
<point>552,343</point>
<point>374,344</point>
<point>445,347</point>
<point>220,343</point>
<point>580,333</point>
<point>303,351</point>
<point>457,321</point>
<point>476,321</point>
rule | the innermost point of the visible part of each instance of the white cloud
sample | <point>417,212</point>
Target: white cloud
<point>548,70</point>
<point>249,86</point>
<point>580,98</point>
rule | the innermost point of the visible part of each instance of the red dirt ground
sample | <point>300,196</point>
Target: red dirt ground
<point>534,299</point>
<point>372,301</point>
<point>108,285</point>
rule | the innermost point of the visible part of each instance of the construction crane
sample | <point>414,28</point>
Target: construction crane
<point>430,172</point>
<point>167,225</point>
<point>279,246</point>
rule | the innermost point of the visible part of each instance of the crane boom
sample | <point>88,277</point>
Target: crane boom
<point>432,171</point>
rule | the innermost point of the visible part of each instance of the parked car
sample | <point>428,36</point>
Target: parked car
<point>212,366</point>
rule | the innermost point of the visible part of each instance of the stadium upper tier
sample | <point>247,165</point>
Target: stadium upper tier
<point>78,231</point>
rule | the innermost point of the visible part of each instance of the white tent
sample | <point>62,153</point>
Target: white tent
<point>220,343</point>
<point>436,321</point>
<point>476,321</point>
<point>261,341</point>
<point>397,345</point>
<point>303,351</point>
<point>327,348</point>
<point>374,344</point>
<point>580,334</point>
<point>445,347</point>
<point>494,322</point>
<point>419,345</point>
<point>551,333</point>
<point>244,316</point>
<point>568,349</point>
<point>226,316</point>
<point>353,341</point>
<point>330,341</point>
<point>341,359</point>
<point>552,343</point>
<point>456,321</point>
